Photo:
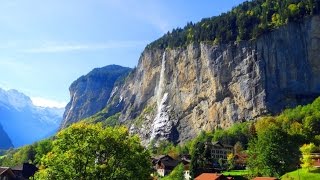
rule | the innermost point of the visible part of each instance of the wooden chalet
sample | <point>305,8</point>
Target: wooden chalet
<point>24,171</point>
<point>164,164</point>
<point>6,174</point>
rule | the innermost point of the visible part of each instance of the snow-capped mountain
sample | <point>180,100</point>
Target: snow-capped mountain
<point>24,122</point>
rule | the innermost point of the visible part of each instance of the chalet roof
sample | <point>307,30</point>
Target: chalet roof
<point>3,169</point>
<point>6,169</point>
<point>26,169</point>
<point>218,143</point>
<point>209,176</point>
<point>169,163</point>
<point>162,157</point>
<point>18,168</point>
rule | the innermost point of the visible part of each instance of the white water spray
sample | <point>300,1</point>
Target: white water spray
<point>162,117</point>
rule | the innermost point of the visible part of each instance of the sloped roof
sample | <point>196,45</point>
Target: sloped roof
<point>170,163</point>
<point>3,169</point>
<point>6,169</point>
<point>218,143</point>
<point>208,176</point>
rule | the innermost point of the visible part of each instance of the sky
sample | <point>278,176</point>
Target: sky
<point>47,44</point>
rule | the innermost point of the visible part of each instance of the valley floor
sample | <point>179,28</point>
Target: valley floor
<point>302,174</point>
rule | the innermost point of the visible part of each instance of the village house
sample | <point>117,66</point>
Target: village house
<point>6,174</point>
<point>186,160</point>
<point>212,176</point>
<point>22,172</point>
<point>164,164</point>
<point>219,150</point>
<point>316,159</point>
<point>240,160</point>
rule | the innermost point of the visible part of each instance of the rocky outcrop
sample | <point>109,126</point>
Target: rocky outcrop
<point>176,93</point>
<point>90,93</point>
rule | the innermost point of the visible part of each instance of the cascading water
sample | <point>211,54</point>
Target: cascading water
<point>162,118</point>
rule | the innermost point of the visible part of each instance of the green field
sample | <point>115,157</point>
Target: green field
<point>302,174</point>
<point>237,174</point>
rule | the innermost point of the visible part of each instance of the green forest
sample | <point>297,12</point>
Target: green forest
<point>275,146</point>
<point>244,22</point>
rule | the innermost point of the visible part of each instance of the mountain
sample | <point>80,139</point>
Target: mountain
<point>90,93</point>
<point>25,123</point>
<point>175,92</point>
<point>5,142</point>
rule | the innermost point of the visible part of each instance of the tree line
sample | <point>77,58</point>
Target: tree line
<point>244,22</point>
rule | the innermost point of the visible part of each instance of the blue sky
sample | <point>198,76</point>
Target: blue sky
<point>47,44</point>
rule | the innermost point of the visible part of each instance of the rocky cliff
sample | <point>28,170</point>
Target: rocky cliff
<point>174,94</point>
<point>90,93</point>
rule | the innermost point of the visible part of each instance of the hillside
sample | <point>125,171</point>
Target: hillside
<point>90,93</point>
<point>176,91</point>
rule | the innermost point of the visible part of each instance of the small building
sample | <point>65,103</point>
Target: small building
<point>240,160</point>
<point>186,165</point>
<point>164,164</point>
<point>316,159</point>
<point>24,171</point>
<point>219,150</point>
<point>212,176</point>
<point>6,174</point>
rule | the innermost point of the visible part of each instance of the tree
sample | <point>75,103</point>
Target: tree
<point>42,148</point>
<point>230,161</point>
<point>176,174</point>
<point>89,151</point>
<point>197,159</point>
<point>272,153</point>
<point>306,159</point>
<point>238,147</point>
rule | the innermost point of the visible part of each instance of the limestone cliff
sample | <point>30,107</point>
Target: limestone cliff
<point>175,93</point>
<point>90,93</point>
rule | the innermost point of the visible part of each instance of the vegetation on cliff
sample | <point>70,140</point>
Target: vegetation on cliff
<point>244,22</point>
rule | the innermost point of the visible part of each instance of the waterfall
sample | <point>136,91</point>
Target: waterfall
<point>162,117</point>
<point>161,80</point>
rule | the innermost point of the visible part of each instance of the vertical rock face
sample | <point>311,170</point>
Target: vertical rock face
<point>175,93</point>
<point>90,93</point>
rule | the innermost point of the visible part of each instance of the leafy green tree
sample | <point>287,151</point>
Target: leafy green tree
<point>198,161</point>
<point>42,148</point>
<point>176,174</point>
<point>230,161</point>
<point>306,159</point>
<point>89,151</point>
<point>272,153</point>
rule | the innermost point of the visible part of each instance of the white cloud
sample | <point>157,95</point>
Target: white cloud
<point>67,47</point>
<point>43,102</point>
